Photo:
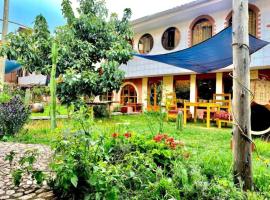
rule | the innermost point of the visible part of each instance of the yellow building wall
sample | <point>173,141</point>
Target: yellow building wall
<point>144,92</point>
<point>219,83</point>
<point>167,87</point>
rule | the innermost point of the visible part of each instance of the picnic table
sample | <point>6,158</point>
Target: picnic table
<point>208,107</point>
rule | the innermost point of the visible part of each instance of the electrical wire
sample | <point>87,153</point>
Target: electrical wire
<point>16,23</point>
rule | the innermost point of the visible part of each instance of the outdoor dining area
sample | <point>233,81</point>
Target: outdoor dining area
<point>218,109</point>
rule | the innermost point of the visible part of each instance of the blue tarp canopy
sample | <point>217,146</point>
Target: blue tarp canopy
<point>212,54</point>
<point>11,65</point>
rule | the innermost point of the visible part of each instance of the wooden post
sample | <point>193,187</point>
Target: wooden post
<point>241,97</point>
<point>4,33</point>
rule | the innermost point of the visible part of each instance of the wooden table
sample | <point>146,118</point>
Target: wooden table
<point>208,107</point>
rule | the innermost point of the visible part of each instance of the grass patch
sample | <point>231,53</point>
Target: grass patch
<point>60,110</point>
<point>210,148</point>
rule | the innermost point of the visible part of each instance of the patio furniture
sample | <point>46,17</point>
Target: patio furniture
<point>171,106</point>
<point>136,107</point>
<point>126,109</point>
<point>223,115</point>
<point>208,107</point>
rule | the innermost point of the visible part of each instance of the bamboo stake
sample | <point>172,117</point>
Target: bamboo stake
<point>241,97</point>
<point>53,86</point>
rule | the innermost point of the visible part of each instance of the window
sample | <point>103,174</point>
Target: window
<point>146,44</point>
<point>107,96</point>
<point>128,95</point>
<point>206,88</point>
<point>252,26</point>
<point>201,31</point>
<point>170,38</point>
<point>252,21</point>
<point>182,89</point>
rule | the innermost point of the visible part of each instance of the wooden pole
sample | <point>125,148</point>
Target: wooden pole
<point>241,97</point>
<point>4,33</point>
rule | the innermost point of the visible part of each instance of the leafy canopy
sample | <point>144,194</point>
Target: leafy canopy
<point>91,49</point>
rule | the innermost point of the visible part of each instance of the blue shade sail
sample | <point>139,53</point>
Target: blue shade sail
<point>212,54</point>
<point>11,66</point>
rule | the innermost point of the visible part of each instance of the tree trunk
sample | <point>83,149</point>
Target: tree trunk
<point>241,97</point>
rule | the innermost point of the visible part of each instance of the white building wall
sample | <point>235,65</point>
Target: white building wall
<point>142,68</point>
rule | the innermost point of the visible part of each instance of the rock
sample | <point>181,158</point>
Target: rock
<point>46,194</point>
<point>2,192</point>
<point>29,196</point>
<point>29,182</point>
<point>10,192</point>
<point>4,197</point>
<point>40,191</point>
<point>29,191</point>
<point>18,194</point>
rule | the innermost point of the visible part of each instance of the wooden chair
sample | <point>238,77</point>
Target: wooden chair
<point>224,114</point>
<point>171,106</point>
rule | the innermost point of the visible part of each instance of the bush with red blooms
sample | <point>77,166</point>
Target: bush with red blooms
<point>169,141</point>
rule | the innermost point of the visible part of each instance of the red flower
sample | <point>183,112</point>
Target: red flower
<point>115,135</point>
<point>165,136</point>
<point>127,135</point>
<point>169,140</point>
<point>158,137</point>
<point>173,145</point>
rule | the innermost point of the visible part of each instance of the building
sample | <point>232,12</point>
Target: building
<point>182,27</point>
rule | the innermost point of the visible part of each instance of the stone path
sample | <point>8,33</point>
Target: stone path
<point>28,189</point>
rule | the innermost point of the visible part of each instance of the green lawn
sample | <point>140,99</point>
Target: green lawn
<point>195,136</point>
<point>209,148</point>
<point>61,110</point>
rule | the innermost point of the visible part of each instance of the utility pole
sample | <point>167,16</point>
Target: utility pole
<point>241,97</point>
<point>4,33</point>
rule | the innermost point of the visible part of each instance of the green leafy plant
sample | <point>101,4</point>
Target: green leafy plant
<point>101,111</point>
<point>25,167</point>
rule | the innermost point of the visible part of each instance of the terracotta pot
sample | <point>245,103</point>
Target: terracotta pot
<point>37,108</point>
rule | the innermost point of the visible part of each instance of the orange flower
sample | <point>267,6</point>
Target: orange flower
<point>115,135</point>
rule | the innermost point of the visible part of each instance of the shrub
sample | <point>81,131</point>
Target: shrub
<point>101,111</point>
<point>13,115</point>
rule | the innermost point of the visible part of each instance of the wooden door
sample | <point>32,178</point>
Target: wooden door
<point>154,96</point>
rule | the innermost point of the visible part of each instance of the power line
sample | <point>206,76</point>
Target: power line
<point>16,23</point>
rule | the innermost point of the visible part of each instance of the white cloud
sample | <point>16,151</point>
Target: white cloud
<point>140,8</point>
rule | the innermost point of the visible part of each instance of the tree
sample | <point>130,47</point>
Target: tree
<point>31,48</point>
<point>90,50</point>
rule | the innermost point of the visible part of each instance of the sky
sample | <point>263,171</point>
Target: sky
<point>141,8</point>
<point>25,11</point>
